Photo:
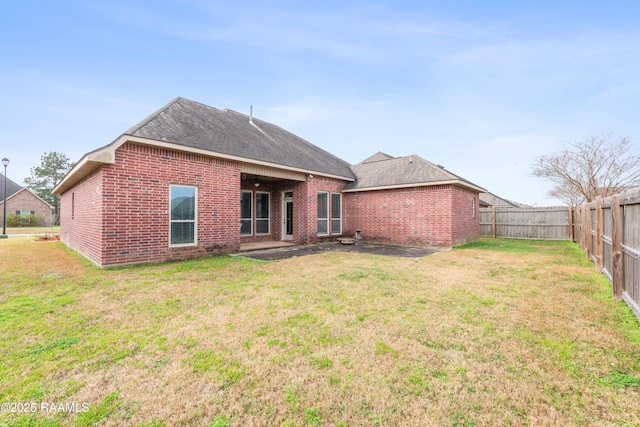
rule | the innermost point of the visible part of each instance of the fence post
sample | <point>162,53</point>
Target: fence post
<point>587,231</point>
<point>583,245</point>
<point>599,234</point>
<point>616,248</point>
<point>571,232</point>
<point>493,222</point>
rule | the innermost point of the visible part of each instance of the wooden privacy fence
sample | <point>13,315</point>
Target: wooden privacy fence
<point>552,223</point>
<point>607,230</point>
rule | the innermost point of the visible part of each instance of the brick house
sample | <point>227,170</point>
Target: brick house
<point>23,202</point>
<point>191,180</point>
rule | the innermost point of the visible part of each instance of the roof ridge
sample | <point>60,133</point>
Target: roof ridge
<point>439,167</point>
<point>379,156</point>
<point>144,122</point>
<point>254,119</point>
<point>453,175</point>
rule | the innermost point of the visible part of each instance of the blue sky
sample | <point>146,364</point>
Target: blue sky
<point>481,87</point>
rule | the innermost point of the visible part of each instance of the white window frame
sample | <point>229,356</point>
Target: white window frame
<point>255,212</point>
<point>194,220</point>
<point>250,218</point>
<point>325,219</point>
<point>338,218</point>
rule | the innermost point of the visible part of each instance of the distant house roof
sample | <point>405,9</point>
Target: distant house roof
<point>12,187</point>
<point>382,171</point>
<point>379,156</point>
<point>489,199</point>
<point>222,133</point>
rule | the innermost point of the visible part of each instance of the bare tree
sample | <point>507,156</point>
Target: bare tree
<point>568,194</point>
<point>595,166</point>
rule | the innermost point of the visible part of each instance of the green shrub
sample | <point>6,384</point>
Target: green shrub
<point>15,220</point>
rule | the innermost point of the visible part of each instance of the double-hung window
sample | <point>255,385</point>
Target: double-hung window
<point>336,213</point>
<point>254,208</point>
<point>25,216</point>
<point>246,213</point>
<point>323,213</point>
<point>262,213</point>
<point>329,215</point>
<point>182,215</point>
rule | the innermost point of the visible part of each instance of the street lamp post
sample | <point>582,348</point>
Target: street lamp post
<point>5,162</point>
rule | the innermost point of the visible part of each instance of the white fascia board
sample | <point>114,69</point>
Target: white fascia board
<point>416,184</point>
<point>106,155</point>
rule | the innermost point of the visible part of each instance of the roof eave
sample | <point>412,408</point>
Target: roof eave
<point>86,165</point>
<point>417,184</point>
<point>106,155</point>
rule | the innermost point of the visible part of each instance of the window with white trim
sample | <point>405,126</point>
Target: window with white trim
<point>246,213</point>
<point>183,216</point>
<point>262,213</point>
<point>323,213</point>
<point>25,216</point>
<point>336,213</point>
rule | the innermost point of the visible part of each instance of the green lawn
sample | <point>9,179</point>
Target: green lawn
<point>500,332</point>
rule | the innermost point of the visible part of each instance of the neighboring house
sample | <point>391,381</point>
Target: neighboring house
<point>191,180</point>
<point>24,202</point>
<point>488,200</point>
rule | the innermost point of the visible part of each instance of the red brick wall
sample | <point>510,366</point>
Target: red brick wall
<point>466,216</point>
<point>307,213</point>
<point>119,214</point>
<point>429,216</point>
<point>133,193</point>
<point>81,217</point>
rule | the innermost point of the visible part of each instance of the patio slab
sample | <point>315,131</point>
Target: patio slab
<point>368,248</point>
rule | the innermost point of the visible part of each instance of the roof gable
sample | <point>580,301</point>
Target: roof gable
<point>195,125</point>
<point>378,172</point>
<point>28,191</point>
<point>490,199</point>
<point>379,156</point>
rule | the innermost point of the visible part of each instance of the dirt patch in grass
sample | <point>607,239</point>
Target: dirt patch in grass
<point>497,333</point>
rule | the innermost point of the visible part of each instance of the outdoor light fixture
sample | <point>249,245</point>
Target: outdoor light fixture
<point>256,183</point>
<point>5,162</point>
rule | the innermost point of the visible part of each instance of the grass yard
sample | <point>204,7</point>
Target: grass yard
<point>499,332</point>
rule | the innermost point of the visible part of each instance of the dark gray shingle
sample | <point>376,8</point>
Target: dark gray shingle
<point>382,170</point>
<point>192,124</point>
<point>12,187</point>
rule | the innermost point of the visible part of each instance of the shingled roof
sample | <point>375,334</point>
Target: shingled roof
<point>222,133</point>
<point>192,124</point>
<point>12,188</point>
<point>382,171</point>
